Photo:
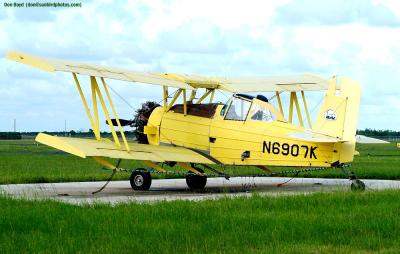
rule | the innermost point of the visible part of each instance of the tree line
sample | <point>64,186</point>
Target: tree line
<point>131,134</point>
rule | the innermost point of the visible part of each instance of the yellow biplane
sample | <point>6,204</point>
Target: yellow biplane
<point>197,135</point>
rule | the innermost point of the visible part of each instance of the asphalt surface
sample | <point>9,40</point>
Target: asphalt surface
<point>176,189</point>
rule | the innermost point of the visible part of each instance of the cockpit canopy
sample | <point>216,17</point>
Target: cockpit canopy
<point>242,107</point>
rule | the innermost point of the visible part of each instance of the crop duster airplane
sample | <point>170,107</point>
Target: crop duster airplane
<point>199,134</point>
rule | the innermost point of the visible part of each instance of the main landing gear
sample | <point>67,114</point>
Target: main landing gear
<point>140,179</point>
<point>196,182</point>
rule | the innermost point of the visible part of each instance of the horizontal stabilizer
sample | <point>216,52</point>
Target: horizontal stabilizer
<point>361,139</point>
<point>313,137</point>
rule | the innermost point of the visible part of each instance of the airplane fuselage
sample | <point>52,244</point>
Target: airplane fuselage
<point>245,142</point>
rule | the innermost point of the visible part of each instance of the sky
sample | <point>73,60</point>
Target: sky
<point>359,39</point>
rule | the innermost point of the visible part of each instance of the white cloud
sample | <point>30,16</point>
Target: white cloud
<point>360,39</point>
<point>335,12</point>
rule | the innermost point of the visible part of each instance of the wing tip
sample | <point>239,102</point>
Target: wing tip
<point>55,142</point>
<point>30,60</point>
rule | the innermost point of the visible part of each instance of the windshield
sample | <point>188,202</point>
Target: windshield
<point>238,109</point>
<point>261,113</point>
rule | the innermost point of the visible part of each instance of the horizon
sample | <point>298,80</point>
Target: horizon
<point>357,39</point>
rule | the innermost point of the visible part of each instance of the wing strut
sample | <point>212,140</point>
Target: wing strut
<point>278,97</point>
<point>306,109</point>
<point>94,121</point>
<point>115,115</point>
<point>293,99</point>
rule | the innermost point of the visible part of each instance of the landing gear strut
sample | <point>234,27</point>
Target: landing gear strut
<point>140,179</point>
<point>356,184</point>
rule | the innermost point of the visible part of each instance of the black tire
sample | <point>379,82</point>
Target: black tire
<point>196,182</point>
<point>357,185</point>
<point>140,179</point>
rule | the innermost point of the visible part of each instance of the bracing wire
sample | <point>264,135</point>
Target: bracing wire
<point>122,98</point>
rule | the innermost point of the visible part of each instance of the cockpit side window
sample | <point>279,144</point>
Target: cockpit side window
<point>238,109</point>
<point>225,107</point>
<point>261,113</point>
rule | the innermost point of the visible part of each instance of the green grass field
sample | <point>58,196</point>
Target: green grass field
<point>28,162</point>
<point>343,222</point>
<point>339,222</point>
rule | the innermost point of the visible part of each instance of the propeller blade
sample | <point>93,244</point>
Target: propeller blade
<point>123,122</point>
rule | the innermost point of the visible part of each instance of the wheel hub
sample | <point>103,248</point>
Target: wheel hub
<point>138,180</point>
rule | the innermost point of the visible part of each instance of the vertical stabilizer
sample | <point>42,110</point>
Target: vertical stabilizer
<point>338,115</point>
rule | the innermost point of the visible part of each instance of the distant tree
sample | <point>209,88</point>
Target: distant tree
<point>378,133</point>
<point>10,135</point>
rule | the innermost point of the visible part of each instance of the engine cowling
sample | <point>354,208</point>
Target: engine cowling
<point>141,120</point>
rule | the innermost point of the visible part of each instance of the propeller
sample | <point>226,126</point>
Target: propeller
<point>123,122</point>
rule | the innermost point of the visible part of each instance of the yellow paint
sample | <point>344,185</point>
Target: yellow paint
<point>176,96</point>
<point>121,131</point>
<point>306,109</point>
<point>184,102</point>
<point>150,130</point>
<point>212,95</point>
<point>105,110</point>
<point>170,134</point>
<point>204,96</point>
<point>155,121</point>
<point>305,82</point>
<point>291,107</point>
<point>230,139</point>
<point>89,115</point>
<point>96,129</point>
<point>92,148</point>
<point>30,60</point>
<point>299,115</point>
<point>278,97</point>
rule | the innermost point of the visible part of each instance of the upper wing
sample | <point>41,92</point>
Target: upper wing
<point>92,148</point>
<point>242,84</point>
<point>52,65</point>
<point>291,83</point>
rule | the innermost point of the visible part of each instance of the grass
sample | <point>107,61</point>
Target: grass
<point>25,161</point>
<point>341,222</point>
<point>318,223</point>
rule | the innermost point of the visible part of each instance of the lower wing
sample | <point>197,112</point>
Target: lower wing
<point>105,148</point>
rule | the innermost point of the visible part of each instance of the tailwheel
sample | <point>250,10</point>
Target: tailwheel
<point>196,182</point>
<point>140,179</point>
<point>357,185</point>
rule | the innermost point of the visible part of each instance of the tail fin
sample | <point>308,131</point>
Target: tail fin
<point>339,112</point>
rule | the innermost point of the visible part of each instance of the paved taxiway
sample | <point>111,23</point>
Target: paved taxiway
<point>174,189</point>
